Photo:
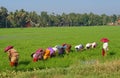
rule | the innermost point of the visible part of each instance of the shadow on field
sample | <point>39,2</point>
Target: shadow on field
<point>112,53</point>
<point>24,62</point>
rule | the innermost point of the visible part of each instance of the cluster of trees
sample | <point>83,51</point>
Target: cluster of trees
<point>22,18</point>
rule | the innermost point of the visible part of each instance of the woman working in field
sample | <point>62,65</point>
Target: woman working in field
<point>79,47</point>
<point>105,46</point>
<point>38,55</point>
<point>67,47</point>
<point>13,55</point>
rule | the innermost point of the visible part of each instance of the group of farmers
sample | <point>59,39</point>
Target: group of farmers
<point>49,52</point>
<point>60,50</point>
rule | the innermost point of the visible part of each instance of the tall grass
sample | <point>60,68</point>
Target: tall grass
<point>28,40</point>
<point>76,70</point>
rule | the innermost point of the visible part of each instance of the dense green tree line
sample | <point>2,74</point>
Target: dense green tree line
<point>20,18</point>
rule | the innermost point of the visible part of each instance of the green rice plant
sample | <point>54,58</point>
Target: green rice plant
<point>28,40</point>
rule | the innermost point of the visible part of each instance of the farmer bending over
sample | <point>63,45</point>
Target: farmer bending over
<point>94,44</point>
<point>67,47</point>
<point>60,49</point>
<point>38,55</point>
<point>47,54</point>
<point>79,47</point>
<point>88,45</point>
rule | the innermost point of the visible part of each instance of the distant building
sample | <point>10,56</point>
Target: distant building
<point>111,24</point>
<point>118,22</point>
<point>114,24</point>
<point>28,24</point>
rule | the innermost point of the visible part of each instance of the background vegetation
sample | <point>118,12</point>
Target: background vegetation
<point>88,63</point>
<point>22,18</point>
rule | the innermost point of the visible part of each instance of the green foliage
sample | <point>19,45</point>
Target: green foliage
<point>22,18</point>
<point>28,40</point>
